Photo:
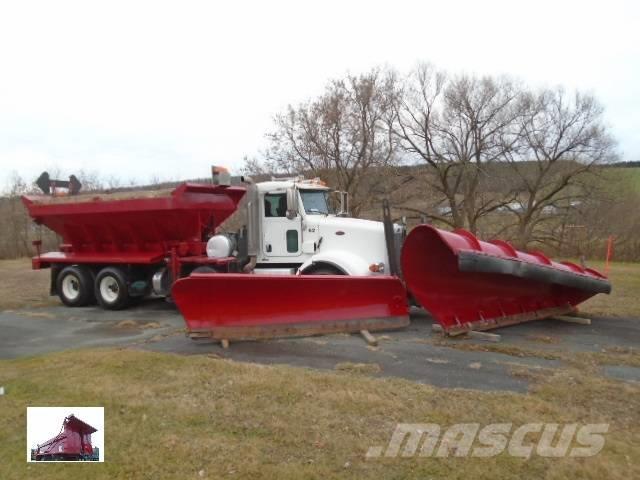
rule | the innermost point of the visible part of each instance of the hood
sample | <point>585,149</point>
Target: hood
<point>363,238</point>
<point>331,224</point>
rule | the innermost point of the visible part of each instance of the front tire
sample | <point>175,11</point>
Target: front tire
<point>74,285</point>
<point>203,269</point>
<point>111,289</point>
<point>323,269</point>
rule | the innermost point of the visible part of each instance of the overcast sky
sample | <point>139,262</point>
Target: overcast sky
<point>138,89</point>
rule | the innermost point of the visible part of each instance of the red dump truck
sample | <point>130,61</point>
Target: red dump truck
<point>297,267</point>
<point>119,247</point>
<point>73,443</point>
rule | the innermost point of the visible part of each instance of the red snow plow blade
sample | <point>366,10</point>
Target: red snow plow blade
<point>468,284</point>
<point>249,306</point>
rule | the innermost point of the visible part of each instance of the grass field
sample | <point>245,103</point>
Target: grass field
<point>633,174</point>
<point>618,178</point>
<point>21,286</point>
<point>624,301</point>
<point>170,416</point>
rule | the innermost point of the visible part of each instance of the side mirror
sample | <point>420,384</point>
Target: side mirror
<point>344,204</point>
<point>292,203</point>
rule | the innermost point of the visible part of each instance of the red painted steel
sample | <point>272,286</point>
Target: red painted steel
<point>118,258</point>
<point>467,283</point>
<point>138,229</point>
<point>240,304</point>
<point>72,442</point>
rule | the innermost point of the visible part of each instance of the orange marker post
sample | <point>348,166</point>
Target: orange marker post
<point>609,255</point>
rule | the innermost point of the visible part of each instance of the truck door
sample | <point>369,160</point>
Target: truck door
<point>281,235</point>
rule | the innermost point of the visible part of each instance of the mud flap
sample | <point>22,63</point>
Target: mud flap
<point>245,306</point>
<point>468,284</point>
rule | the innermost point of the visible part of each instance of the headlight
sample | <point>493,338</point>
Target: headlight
<point>377,267</point>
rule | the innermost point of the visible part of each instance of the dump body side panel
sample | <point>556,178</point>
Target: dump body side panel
<point>149,225</point>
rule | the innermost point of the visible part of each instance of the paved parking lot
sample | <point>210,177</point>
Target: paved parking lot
<point>414,353</point>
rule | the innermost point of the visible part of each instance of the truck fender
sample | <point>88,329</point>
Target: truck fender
<point>348,263</point>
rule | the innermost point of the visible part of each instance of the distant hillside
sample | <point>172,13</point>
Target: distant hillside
<point>626,173</point>
<point>623,165</point>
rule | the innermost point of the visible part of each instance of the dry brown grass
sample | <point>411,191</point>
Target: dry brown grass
<point>610,356</point>
<point>169,416</point>
<point>20,286</point>
<point>363,368</point>
<point>505,349</point>
<point>624,301</point>
<point>581,360</point>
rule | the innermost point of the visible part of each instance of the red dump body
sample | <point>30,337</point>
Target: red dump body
<point>140,230</point>
<point>73,443</point>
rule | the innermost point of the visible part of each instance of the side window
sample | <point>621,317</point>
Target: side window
<point>275,205</point>
<point>292,241</point>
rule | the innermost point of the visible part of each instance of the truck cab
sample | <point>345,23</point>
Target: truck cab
<point>302,232</point>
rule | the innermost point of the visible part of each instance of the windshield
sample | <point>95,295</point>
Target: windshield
<point>316,202</point>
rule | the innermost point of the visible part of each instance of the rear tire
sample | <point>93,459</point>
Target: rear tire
<point>74,285</point>
<point>111,289</point>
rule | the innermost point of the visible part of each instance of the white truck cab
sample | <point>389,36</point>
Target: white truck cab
<point>301,233</point>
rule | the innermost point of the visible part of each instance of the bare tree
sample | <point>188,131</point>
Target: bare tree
<point>91,180</point>
<point>342,136</point>
<point>255,166</point>
<point>15,234</point>
<point>618,217</point>
<point>458,127</point>
<point>483,153</point>
<point>562,139</point>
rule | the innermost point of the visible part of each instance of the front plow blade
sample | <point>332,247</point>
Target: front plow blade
<point>468,284</point>
<point>244,306</point>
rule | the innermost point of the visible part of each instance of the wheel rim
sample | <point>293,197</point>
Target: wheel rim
<point>71,287</point>
<point>109,289</point>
